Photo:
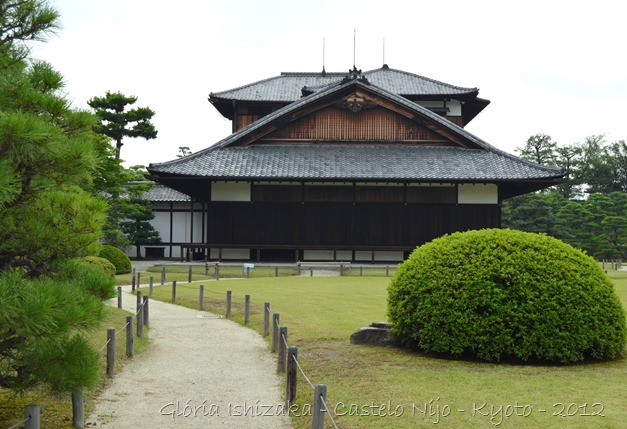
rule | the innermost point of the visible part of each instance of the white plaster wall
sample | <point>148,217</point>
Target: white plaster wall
<point>363,255</point>
<point>343,255</point>
<point>454,106</point>
<point>318,255</point>
<point>180,227</point>
<point>198,238</point>
<point>477,194</point>
<point>230,254</point>
<point>388,256</point>
<point>230,191</point>
<point>161,223</point>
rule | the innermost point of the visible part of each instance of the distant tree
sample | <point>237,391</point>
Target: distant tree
<point>617,159</point>
<point>569,159</point>
<point>531,213</point>
<point>117,122</point>
<point>539,148</point>
<point>183,151</point>
<point>597,225</point>
<point>136,211</point>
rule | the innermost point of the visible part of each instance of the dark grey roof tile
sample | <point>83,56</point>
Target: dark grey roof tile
<point>369,162</point>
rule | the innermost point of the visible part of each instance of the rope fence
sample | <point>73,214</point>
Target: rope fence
<point>287,356</point>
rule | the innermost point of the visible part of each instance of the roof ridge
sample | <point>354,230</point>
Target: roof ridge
<point>421,77</point>
<point>312,74</point>
<point>245,86</point>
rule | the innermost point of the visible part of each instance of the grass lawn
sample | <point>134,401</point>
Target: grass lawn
<point>56,409</point>
<point>322,312</point>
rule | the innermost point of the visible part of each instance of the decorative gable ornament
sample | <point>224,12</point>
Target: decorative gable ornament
<point>356,103</point>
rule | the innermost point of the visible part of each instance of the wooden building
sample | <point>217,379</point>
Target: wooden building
<point>348,167</point>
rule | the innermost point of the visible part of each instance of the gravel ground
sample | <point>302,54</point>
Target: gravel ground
<point>199,372</point>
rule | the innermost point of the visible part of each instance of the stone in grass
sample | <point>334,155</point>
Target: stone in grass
<point>377,334</point>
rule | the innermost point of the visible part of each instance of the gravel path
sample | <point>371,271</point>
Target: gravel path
<point>199,372</point>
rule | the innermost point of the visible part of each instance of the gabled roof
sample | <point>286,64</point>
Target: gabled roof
<point>288,87</point>
<point>162,193</point>
<point>241,156</point>
<point>291,86</point>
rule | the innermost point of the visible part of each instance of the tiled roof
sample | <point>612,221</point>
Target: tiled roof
<point>165,194</point>
<point>369,162</point>
<point>288,86</point>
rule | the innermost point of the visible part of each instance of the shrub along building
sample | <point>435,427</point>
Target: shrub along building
<point>347,167</point>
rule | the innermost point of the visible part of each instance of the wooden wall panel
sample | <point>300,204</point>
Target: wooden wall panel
<point>342,225</point>
<point>333,123</point>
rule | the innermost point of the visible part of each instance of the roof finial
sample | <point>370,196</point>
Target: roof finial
<point>324,73</point>
<point>354,45</point>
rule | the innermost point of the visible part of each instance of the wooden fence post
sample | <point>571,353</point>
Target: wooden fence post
<point>361,271</point>
<point>276,271</point>
<point>139,280</point>
<point>350,271</point>
<point>32,417</point>
<point>111,352</point>
<point>206,269</point>
<point>275,332</point>
<point>78,409</point>
<point>129,336</point>
<point>146,312</point>
<point>173,290</point>
<point>201,298</point>
<point>310,272</point>
<point>228,303</point>
<point>133,281</point>
<point>217,272</point>
<point>246,309</point>
<point>150,286</point>
<point>119,296</point>
<point>318,408</point>
<point>290,385</point>
<point>162,275</point>
<point>280,367</point>
<point>387,271</point>
<point>140,316</point>
<point>189,275</point>
<point>266,318</point>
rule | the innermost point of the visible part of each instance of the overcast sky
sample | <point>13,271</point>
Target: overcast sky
<point>554,67</point>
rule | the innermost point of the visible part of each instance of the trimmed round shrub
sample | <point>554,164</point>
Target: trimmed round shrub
<point>89,277</point>
<point>120,261</point>
<point>97,261</point>
<point>501,294</point>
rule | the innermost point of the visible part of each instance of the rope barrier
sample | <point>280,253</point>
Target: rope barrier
<point>17,425</point>
<point>328,412</point>
<point>304,375</point>
<point>105,345</point>
<point>121,329</point>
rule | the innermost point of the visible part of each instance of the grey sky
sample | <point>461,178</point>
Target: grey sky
<point>554,67</point>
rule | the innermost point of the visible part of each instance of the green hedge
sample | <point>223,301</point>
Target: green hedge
<point>97,261</point>
<point>120,261</point>
<point>497,294</point>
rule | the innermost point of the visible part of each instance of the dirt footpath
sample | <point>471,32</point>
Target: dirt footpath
<point>199,372</point>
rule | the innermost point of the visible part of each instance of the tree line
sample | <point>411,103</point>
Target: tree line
<point>588,210</point>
